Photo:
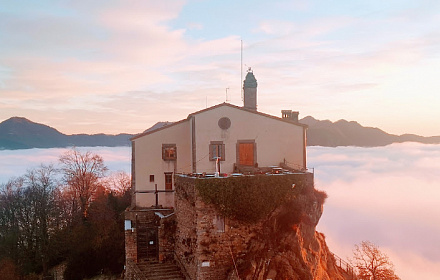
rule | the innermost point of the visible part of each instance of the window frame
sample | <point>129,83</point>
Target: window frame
<point>165,155</point>
<point>170,174</point>
<point>219,223</point>
<point>217,144</point>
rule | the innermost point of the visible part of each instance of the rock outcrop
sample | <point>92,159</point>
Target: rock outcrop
<point>287,246</point>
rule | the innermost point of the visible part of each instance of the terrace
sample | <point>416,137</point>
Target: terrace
<point>282,169</point>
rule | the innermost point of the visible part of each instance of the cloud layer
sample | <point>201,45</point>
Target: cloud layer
<point>15,163</point>
<point>387,195</point>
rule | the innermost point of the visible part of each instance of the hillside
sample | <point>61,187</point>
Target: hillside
<point>344,133</point>
<point>21,133</point>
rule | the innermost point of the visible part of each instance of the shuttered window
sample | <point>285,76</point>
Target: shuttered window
<point>216,150</point>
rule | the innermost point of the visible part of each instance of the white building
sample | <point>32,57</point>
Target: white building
<point>223,138</point>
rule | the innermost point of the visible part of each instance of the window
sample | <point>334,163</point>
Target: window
<point>168,181</point>
<point>216,150</point>
<point>219,222</point>
<point>169,152</point>
<point>151,178</point>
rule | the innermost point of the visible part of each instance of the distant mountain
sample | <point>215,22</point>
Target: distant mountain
<point>21,133</point>
<point>345,133</point>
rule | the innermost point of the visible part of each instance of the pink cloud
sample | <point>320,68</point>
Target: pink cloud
<point>388,195</point>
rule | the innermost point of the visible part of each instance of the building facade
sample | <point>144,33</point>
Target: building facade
<point>222,139</point>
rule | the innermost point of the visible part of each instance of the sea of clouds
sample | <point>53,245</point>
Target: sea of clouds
<point>14,163</point>
<point>387,195</point>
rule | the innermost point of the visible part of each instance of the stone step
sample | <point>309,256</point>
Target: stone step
<point>161,271</point>
<point>165,276</point>
<point>171,277</point>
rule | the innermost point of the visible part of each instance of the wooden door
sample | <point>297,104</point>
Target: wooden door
<point>147,242</point>
<point>168,181</point>
<point>246,154</point>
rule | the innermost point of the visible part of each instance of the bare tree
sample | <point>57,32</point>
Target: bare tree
<point>371,263</point>
<point>29,216</point>
<point>118,182</point>
<point>82,173</point>
<point>43,197</point>
<point>10,208</point>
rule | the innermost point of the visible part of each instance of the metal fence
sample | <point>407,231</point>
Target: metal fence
<point>345,266</point>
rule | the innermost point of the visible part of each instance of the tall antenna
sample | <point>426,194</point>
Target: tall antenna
<point>241,70</point>
<point>226,94</point>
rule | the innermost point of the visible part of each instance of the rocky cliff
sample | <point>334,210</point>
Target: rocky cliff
<point>287,246</point>
<point>282,244</point>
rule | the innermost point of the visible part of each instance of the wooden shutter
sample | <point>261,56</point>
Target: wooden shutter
<point>246,154</point>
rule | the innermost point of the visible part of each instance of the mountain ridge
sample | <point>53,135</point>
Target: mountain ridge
<point>21,133</point>
<point>351,133</point>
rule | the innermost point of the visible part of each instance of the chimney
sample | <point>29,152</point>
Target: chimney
<point>250,91</point>
<point>290,115</point>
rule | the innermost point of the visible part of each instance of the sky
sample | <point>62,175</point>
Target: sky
<point>121,66</point>
<point>386,195</point>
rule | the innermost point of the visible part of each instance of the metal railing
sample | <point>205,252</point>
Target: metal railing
<point>345,266</point>
<point>290,165</point>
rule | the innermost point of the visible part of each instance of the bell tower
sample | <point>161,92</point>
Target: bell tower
<point>250,91</point>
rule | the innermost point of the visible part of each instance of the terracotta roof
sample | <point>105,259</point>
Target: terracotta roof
<point>249,111</point>
<point>170,124</point>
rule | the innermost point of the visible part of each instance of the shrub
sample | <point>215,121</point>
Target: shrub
<point>321,196</point>
<point>247,199</point>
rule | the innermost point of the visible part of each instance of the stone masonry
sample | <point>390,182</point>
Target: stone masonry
<point>140,218</point>
<point>205,250</point>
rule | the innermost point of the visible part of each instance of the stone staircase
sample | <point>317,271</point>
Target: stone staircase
<point>160,271</point>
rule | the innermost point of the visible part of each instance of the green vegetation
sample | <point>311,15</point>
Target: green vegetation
<point>249,198</point>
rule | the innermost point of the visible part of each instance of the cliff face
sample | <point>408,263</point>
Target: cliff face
<point>283,244</point>
<point>287,246</point>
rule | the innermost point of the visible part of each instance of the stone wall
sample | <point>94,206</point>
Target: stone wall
<point>205,250</point>
<point>153,217</point>
<point>282,245</point>
<point>132,272</point>
<point>130,246</point>
<point>167,232</point>
<point>137,218</point>
<point>186,231</point>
